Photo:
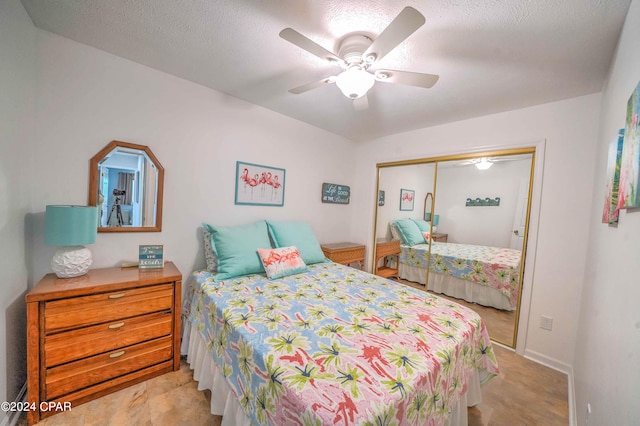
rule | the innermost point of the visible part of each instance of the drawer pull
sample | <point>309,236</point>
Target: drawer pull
<point>118,325</point>
<point>116,296</point>
<point>116,354</point>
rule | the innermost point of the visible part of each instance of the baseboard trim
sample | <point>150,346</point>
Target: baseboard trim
<point>563,368</point>
<point>11,417</point>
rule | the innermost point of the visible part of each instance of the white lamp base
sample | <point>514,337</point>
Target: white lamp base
<point>71,262</point>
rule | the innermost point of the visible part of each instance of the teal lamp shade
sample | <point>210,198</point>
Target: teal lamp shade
<point>71,227</point>
<point>436,219</point>
<point>427,216</point>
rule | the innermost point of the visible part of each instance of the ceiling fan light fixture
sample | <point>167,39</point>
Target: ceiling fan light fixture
<point>355,82</point>
<point>483,164</point>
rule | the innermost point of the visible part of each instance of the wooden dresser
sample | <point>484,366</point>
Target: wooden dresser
<point>345,253</point>
<point>383,249</point>
<point>101,332</point>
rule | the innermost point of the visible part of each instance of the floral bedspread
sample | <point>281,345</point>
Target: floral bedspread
<point>338,346</point>
<point>491,266</point>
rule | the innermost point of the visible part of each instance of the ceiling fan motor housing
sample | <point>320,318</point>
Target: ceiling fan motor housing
<point>352,47</point>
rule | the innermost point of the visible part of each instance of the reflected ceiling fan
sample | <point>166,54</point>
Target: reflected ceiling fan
<point>357,53</point>
<point>483,163</point>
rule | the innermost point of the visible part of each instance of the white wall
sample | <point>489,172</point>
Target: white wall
<point>17,103</point>
<point>607,361</point>
<point>87,97</point>
<point>570,130</point>
<point>418,178</point>
<point>492,225</point>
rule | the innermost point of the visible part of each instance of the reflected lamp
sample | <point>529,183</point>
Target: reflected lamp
<point>70,228</point>
<point>436,221</point>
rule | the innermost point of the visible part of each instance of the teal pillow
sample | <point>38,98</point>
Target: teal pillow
<point>299,234</point>
<point>423,225</point>
<point>409,232</point>
<point>235,247</point>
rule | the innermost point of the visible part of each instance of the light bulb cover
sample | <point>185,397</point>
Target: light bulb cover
<point>355,82</point>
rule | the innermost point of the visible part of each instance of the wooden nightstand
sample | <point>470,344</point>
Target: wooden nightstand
<point>95,334</point>
<point>345,253</point>
<point>383,249</point>
<point>441,238</point>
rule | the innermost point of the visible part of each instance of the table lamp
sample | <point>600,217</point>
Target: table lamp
<point>70,227</point>
<point>436,220</point>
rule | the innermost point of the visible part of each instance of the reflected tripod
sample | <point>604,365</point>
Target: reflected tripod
<point>118,194</point>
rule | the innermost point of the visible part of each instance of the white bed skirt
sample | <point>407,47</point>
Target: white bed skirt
<point>457,287</point>
<point>225,404</point>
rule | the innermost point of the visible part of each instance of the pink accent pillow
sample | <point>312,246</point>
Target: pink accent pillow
<point>426,236</point>
<point>282,262</point>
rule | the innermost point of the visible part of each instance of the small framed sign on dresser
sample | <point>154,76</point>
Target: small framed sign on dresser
<point>150,256</point>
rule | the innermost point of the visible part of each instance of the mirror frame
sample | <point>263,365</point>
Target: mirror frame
<point>467,156</point>
<point>94,183</point>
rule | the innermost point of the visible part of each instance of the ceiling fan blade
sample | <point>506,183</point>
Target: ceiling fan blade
<point>292,36</point>
<point>361,103</point>
<point>405,24</point>
<point>406,77</point>
<point>311,86</point>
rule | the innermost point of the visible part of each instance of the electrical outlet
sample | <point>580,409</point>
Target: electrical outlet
<point>546,323</point>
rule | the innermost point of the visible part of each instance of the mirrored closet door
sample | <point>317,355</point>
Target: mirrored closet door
<point>471,211</point>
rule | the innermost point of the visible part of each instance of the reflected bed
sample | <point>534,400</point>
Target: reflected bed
<point>333,345</point>
<point>488,276</point>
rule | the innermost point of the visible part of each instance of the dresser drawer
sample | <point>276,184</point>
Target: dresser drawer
<point>81,343</point>
<point>76,375</point>
<point>103,307</point>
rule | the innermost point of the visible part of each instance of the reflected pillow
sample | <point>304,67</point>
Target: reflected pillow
<point>410,234</point>
<point>300,235</point>
<point>282,262</point>
<point>395,234</point>
<point>235,248</point>
<point>423,225</point>
<point>426,236</point>
<point>209,256</point>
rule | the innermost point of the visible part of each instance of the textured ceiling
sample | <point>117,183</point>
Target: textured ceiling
<point>491,55</point>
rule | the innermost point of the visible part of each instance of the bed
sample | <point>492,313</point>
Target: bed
<point>488,276</point>
<point>333,345</point>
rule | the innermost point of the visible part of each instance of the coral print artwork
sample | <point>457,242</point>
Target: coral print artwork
<point>628,194</point>
<point>259,185</point>
<point>406,199</point>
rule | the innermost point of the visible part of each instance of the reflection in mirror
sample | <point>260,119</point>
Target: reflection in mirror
<point>126,183</point>
<point>482,217</point>
<point>478,225</point>
<point>390,216</point>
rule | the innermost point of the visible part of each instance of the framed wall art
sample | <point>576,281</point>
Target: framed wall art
<point>611,210</point>
<point>335,194</point>
<point>407,197</point>
<point>628,193</point>
<point>259,185</point>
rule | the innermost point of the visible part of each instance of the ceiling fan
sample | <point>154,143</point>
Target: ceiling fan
<point>358,52</point>
<point>484,163</point>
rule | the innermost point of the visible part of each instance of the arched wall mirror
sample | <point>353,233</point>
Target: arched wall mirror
<point>126,183</point>
<point>475,209</point>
